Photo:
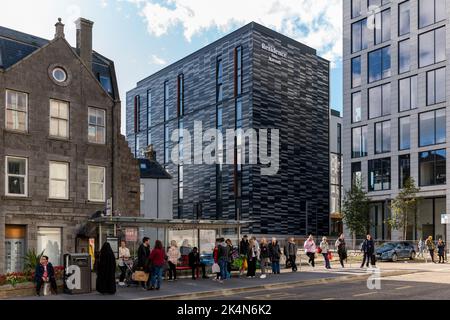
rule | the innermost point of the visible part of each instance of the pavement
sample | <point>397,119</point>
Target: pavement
<point>287,285</point>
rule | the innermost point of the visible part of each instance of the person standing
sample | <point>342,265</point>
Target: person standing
<point>45,273</point>
<point>420,247</point>
<point>368,249</point>
<point>441,250</point>
<point>325,249</point>
<point>144,260</point>
<point>106,270</point>
<point>431,247</point>
<point>310,250</point>
<point>243,250</point>
<point>275,254</point>
<point>173,254</point>
<point>223,259</point>
<point>216,258</point>
<point>252,257</point>
<point>157,258</point>
<point>290,251</point>
<point>341,249</point>
<point>264,257</point>
<point>124,256</point>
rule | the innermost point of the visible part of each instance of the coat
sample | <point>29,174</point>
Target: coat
<point>143,258</point>
<point>252,251</point>
<point>441,249</point>
<point>341,249</point>
<point>368,247</point>
<point>194,259</point>
<point>310,246</point>
<point>106,270</point>
<point>173,254</point>
<point>274,252</point>
<point>39,272</point>
<point>430,244</point>
<point>324,246</point>
<point>158,257</point>
<point>264,251</point>
<point>290,249</point>
<point>243,247</point>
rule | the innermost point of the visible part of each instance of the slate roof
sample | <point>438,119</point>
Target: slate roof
<point>151,169</point>
<point>16,45</point>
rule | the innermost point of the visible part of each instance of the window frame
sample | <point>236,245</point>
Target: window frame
<point>58,119</point>
<point>360,72</point>
<point>362,151</point>
<point>400,182</point>
<point>410,93</point>
<point>399,17</point>
<point>382,137</point>
<point>97,125</point>
<point>434,93</point>
<point>382,60</point>
<point>103,184</point>
<point>364,33</point>
<point>7,175</point>
<point>371,161</point>
<point>434,47</point>
<point>16,110</point>
<point>400,136</point>
<point>434,15</point>
<point>360,106</point>
<point>434,127</point>
<point>67,191</point>
<point>379,17</point>
<point>433,152</point>
<point>381,87</point>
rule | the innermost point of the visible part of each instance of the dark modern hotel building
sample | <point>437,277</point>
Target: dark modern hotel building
<point>395,108</point>
<point>253,78</point>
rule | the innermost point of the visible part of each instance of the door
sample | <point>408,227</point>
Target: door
<point>15,237</point>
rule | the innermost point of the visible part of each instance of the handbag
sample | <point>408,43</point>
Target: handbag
<point>215,268</point>
<point>319,250</point>
<point>140,276</point>
<point>245,264</point>
<point>47,291</point>
<point>330,256</point>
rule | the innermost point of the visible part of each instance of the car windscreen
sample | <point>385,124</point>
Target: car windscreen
<point>387,245</point>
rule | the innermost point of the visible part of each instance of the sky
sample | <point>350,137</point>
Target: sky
<point>143,36</point>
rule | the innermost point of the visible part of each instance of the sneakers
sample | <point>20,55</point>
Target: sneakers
<point>121,283</point>
<point>263,276</point>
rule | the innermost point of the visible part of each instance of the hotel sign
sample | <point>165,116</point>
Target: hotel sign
<point>275,53</point>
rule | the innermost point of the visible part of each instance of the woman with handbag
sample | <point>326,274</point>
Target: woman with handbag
<point>173,254</point>
<point>325,252</point>
<point>310,250</point>
<point>216,267</point>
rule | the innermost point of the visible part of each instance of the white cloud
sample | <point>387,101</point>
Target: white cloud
<point>154,59</point>
<point>317,23</point>
<point>103,3</point>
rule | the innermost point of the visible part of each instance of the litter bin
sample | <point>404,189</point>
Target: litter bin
<point>77,273</point>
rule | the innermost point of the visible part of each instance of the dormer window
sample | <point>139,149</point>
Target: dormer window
<point>59,74</point>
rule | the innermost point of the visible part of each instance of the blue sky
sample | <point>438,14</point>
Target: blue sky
<point>143,36</point>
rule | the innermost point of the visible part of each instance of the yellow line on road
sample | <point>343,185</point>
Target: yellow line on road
<point>364,294</point>
<point>405,287</point>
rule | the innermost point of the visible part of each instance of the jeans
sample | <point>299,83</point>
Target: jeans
<point>311,256</point>
<point>432,254</point>
<point>327,261</point>
<point>224,269</point>
<point>157,276</point>
<point>276,267</point>
<point>292,258</point>
<point>368,258</point>
<point>264,265</point>
<point>172,271</point>
<point>194,269</point>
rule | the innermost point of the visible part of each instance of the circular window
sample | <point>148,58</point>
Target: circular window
<point>59,74</point>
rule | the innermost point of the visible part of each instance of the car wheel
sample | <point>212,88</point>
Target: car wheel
<point>394,257</point>
<point>413,255</point>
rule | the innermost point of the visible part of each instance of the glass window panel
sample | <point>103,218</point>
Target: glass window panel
<point>386,136</point>
<point>386,25</point>
<point>405,132</point>
<point>16,166</point>
<point>431,88</point>
<point>356,141</point>
<point>375,99</point>
<point>63,132</point>
<point>440,44</point>
<point>404,94</point>
<point>440,10</point>
<point>404,18</point>
<point>356,72</point>
<point>386,60</point>
<point>356,107</point>
<point>49,241</point>
<point>404,53</point>
<point>58,171</point>
<point>100,137</point>
<point>356,36</point>
<point>386,92</point>
<point>426,129</point>
<point>378,137</point>
<point>440,126</point>
<point>413,92</point>
<point>426,13</point>
<point>404,169</point>
<point>426,170</point>
<point>440,174</point>
<point>374,65</point>
<point>364,141</point>
<point>356,8</point>
<point>426,49</point>
<point>440,85</point>
<point>58,189</point>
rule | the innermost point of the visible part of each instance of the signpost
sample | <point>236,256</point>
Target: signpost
<point>445,220</point>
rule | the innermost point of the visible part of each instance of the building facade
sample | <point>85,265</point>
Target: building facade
<point>396,108</point>
<point>61,152</point>
<point>336,226</point>
<point>253,78</point>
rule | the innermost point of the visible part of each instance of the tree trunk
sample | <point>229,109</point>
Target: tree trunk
<point>354,240</point>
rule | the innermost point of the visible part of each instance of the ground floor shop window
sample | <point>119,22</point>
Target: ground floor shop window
<point>49,240</point>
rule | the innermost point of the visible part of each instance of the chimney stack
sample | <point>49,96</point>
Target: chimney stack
<point>84,40</point>
<point>150,153</point>
<point>59,26</point>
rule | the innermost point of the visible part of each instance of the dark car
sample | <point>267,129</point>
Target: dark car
<point>395,250</point>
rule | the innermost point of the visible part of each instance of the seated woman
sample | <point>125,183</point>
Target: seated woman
<point>194,263</point>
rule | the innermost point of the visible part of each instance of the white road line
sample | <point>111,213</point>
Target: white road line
<point>328,299</point>
<point>405,287</point>
<point>364,294</point>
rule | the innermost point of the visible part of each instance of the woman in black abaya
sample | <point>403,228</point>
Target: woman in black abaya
<point>106,270</point>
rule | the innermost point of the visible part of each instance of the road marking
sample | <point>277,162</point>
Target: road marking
<point>329,299</point>
<point>364,294</point>
<point>405,287</point>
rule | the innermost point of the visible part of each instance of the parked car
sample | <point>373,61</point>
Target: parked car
<point>395,250</point>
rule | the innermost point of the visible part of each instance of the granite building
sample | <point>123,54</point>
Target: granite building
<point>395,108</point>
<point>61,152</point>
<point>253,78</point>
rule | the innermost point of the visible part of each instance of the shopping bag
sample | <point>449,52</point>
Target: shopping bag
<point>245,264</point>
<point>140,276</point>
<point>47,290</point>
<point>330,256</point>
<point>319,250</point>
<point>215,268</point>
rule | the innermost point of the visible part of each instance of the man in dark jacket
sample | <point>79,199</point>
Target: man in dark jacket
<point>44,273</point>
<point>144,259</point>
<point>243,250</point>
<point>194,263</point>
<point>368,249</point>
<point>274,254</point>
<point>290,251</point>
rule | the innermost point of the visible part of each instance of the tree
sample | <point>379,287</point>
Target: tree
<point>355,210</point>
<point>402,207</point>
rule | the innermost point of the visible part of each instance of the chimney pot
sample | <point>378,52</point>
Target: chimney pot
<point>59,26</point>
<point>84,40</point>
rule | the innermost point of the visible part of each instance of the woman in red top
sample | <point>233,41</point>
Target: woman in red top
<point>158,258</point>
<point>216,258</point>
